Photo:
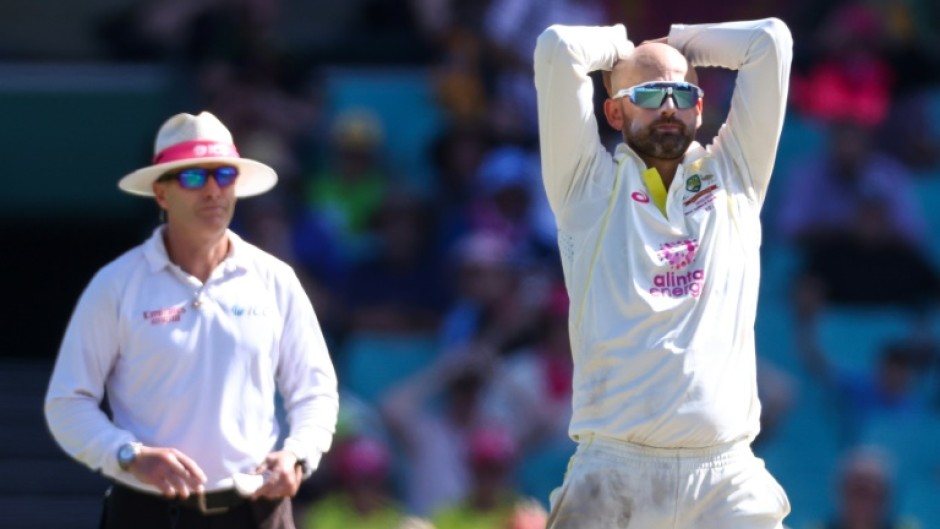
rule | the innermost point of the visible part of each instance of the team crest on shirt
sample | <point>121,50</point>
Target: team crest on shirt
<point>703,189</point>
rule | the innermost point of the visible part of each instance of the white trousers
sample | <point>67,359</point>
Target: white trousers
<point>611,484</point>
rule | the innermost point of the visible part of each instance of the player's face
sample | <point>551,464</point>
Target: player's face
<point>206,209</point>
<point>662,133</point>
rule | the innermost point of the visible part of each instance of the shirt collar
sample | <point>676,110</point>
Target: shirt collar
<point>157,257</point>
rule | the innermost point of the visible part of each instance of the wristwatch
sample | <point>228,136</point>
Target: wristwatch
<point>302,463</point>
<point>304,467</point>
<point>126,454</point>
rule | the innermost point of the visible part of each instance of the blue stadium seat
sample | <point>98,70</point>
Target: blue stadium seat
<point>927,188</point>
<point>913,439</point>
<point>853,338</point>
<point>918,499</point>
<point>801,139</point>
<point>371,363</point>
<point>802,455</point>
<point>543,469</point>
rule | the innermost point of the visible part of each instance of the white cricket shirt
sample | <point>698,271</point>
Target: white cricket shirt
<point>201,379</point>
<point>662,306</point>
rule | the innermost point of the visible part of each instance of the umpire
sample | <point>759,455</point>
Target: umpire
<point>189,335</point>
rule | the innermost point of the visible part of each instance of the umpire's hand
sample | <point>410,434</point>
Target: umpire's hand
<point>282,476</point>
<point>168,469</point>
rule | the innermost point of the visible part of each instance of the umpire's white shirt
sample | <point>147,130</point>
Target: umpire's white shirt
<point>663,308</point>
<point>202,378</point>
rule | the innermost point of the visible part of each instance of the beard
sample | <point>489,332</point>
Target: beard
<point>657,144</point>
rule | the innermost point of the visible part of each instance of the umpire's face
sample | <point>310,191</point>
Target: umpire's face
<point>202,205</point>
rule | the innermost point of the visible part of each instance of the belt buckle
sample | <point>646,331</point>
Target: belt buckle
<point>204,509</point>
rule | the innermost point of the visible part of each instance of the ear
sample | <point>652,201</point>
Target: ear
<point>614,113</point>
<point>159,194</point>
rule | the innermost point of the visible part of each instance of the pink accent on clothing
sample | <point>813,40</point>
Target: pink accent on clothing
<point>196,149</point>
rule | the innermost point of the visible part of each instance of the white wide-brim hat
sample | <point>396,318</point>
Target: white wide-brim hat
<point>185,140</point>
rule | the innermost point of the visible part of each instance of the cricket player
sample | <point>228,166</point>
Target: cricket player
<point>660,250</point>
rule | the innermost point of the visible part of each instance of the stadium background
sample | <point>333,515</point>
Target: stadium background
<point>83,89</point>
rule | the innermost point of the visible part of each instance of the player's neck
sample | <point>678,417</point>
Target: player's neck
<point>666,169</point>
<point>197,255</point>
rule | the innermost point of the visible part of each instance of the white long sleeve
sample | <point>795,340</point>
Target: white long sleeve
<point>761,52</point>
<point>663,303</point>
<point>570,144</point>
<point>199,379</point>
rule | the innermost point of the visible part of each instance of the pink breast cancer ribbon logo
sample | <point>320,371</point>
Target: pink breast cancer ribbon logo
<point>678,254</point>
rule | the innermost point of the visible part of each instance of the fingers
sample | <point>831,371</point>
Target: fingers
<point>278,485</point>
<point>282,476</point>
<point>198,477</point>
<point>177,475</point>
<point>168,469</point>
<point>174,486</point>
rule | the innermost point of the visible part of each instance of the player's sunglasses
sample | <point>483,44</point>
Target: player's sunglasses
<point>197,177</point>
<point>653,95</point>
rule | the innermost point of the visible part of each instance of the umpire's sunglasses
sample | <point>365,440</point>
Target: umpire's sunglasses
<point>197,177</point>
<point>653,95</point>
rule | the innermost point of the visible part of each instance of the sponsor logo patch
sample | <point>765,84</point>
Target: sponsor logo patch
<point>678,254</point>
<point>679,281</point>
<point>241,310</point>
<point>164,316</point>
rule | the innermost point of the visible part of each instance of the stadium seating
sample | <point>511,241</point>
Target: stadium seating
<point>370,364</point>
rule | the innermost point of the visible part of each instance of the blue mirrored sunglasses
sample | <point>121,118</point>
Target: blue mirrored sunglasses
<point>197,177</point>
<point>653,95</point>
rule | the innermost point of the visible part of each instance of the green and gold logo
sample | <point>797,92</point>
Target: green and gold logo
<point>693,183</point>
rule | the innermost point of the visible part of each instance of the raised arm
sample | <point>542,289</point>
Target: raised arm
<point>570,143</point>
<point>761,52</point>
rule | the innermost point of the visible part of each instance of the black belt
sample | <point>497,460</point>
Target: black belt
<point>215,502</point>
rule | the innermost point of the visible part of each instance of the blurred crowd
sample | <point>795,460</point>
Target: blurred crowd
<point>442,298</point>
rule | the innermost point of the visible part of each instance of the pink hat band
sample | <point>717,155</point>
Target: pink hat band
<point>185,139</point>
<point>195,149</point>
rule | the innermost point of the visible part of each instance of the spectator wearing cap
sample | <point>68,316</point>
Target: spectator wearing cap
<point>864,488</point>
<point>492,502</point>
<point>191,335</point>
<point>363,498</point>
<point>512,203</point>
<point>348,189</point>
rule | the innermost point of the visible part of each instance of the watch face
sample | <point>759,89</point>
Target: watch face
<point>126,455</point>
